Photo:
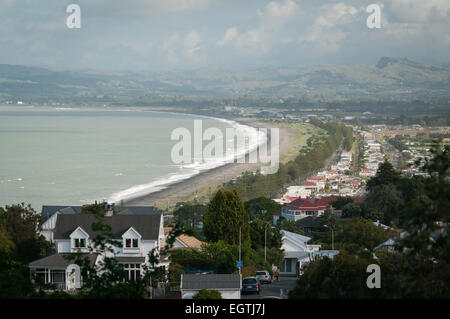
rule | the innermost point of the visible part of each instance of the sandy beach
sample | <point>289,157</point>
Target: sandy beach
<point>203,185</point>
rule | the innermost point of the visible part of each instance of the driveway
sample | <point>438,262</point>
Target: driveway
<point>274,289</point>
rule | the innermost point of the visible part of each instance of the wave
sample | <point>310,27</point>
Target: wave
<point>195,168</point>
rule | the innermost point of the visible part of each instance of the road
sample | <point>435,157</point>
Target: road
<point>274,289</point>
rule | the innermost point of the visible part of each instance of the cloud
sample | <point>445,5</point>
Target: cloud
<point>170,47</point>
<point>192,46</point>
<point>143,8</point>
<point>177,49</point>
<point>326,28</point>
<point>414,12</point>
<point>229,36</point>
<point>272,20</point>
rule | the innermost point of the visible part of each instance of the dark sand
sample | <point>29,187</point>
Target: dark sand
<point>203,185</point>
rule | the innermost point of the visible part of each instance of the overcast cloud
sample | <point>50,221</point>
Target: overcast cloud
<point>185,34</point>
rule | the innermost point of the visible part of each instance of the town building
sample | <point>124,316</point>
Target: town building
<point>229,285</point>
<point>137,234</point>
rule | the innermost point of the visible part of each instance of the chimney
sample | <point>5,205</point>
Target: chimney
<point>109,210</point>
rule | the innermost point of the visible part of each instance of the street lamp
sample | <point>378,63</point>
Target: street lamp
<point>265,243</point>
<point>332,236</point>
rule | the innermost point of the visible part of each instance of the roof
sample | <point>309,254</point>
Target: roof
<point>308,203</point>
<point>307,183</point>
<point>130,259</point>
<point>294,237</point>
<point>308,222</point>
<point>49,210</point>
<point>210,281</point>
<point>190,241</point>
<point>389,242</point>
<point>60,260</point>
<point>147,226</point>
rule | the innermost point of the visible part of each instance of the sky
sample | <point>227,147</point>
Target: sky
<point>161,35</point>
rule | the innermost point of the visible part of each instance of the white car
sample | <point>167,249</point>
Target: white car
<point>263,276</point>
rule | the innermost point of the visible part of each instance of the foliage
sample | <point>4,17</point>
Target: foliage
<point>225,216</point>
<point>262,232</point>
<point>21,223</point>
<point>262,208</point>
<point>419,268</point>
<point>175,272</point>
<point>362,233</point>
<point>343,277</point>
<point>19,245</point>
<point>190,214</point>
<point>207,294</point>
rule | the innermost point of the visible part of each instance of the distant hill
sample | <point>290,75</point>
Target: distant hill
<point>396,79</point>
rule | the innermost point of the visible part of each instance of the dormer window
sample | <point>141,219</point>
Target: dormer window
<point>80,243</point>
<point>131,243</point>
<point>79,239</point>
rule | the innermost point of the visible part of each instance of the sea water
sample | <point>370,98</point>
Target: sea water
<point>74,156</point>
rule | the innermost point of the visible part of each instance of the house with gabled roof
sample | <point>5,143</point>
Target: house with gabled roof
<point>72,233</point>
<point>297,253</point>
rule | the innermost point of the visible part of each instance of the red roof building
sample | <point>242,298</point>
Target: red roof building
<point>301,208</point>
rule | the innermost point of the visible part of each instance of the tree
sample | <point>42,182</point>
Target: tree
<point>262,207</point>
<point>207,294</point>
<point>225,216</point>
<point>418,268</point>
<point>262,232</point>
<point>362,233</point>
<point>386,174</point>
<point>343,277</point>
<point>352,210</point>
<point>21,223</point>
<point>190,214</point>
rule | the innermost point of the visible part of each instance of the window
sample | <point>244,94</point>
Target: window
<point>131,243</point>
<point>133,270</point>
<point>80,243</point>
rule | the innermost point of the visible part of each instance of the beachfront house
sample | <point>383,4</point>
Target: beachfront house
<point>138,229</point>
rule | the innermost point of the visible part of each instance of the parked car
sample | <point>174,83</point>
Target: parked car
<point>250,285</point>
<point>263,276</point>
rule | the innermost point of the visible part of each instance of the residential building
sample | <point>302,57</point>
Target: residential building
<point>298,253</point>
<point>72,233</point>
<point>229,285</point>
<point>301,208</point>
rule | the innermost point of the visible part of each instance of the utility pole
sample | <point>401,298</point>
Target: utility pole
<point>265,243</point>
<point>240,247</point>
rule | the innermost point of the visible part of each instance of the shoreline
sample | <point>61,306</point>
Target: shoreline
<point>203,185</point>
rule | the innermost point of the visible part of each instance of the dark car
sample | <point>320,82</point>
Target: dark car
<point>250,285</point>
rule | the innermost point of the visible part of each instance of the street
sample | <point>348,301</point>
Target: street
<point>274,289</point>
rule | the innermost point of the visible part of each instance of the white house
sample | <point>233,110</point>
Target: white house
<point>298,253</point>
<point>73,233</point>
<point>229,285</point>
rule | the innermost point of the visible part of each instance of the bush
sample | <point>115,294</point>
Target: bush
<point>208,294</point>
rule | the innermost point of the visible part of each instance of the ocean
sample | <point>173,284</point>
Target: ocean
<point>75,156</point>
